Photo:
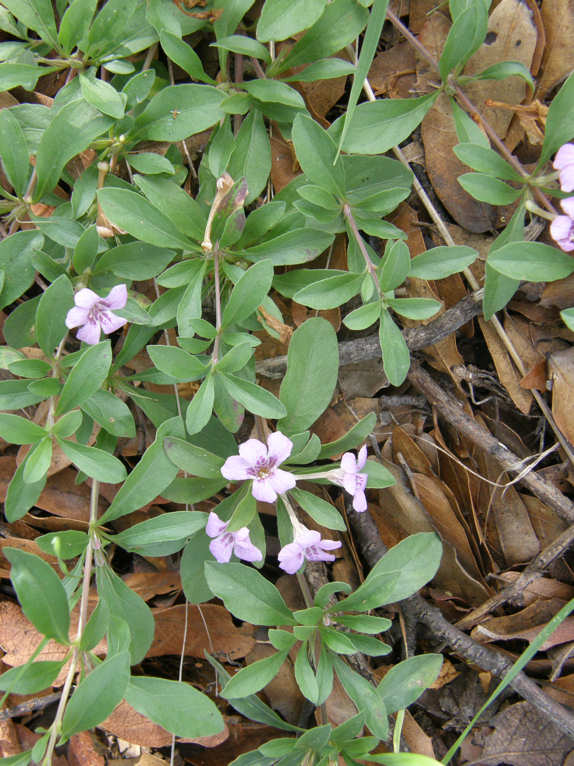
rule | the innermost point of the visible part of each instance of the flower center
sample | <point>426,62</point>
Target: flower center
<point>263,468</point>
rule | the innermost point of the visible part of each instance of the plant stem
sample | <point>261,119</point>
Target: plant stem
<point>360,242</point>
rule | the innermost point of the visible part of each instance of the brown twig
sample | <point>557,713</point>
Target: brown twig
<point>451,409</point>
<point>361,349</point>
<point>373,548</point>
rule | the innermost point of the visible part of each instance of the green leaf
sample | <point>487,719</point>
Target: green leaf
<point>254,398</point>
<point>68,424</point>
<point>152,474</point>
<point>51,314</point>
<point>339,24</point>
<point>251,155</point>
<point>464,38</point>
<point>111,413</point>
<point>281,19</point>
<point>64,545</point>
<point>134,214</point>
<point>291,248</point>
<point>396,356</point>
<point>14,152</point>
<point>30,679</point>
<point>498,289</point>
<point>37,462</point>
<point>252,707</point>
<point>414,308</point>
<point>37,15</point>
<point>319,510</point>
<point>313,356</point>
<point>246,46</point>
<point>193,558</point>
<point>179,111</point>
<point>369,46</point>
<point>17,261</point>
<point>532,261</point>
<point>352,439</point>
<point>248,293</point>
<point>331,292</point>
<point>365,698</point>
<point>274,92</point>
<point>97,695</point>
<point>363,317</point>
<point>488,189</point>
<point>394,266</point>
<point>150,163</point>
<point>364,623</point>
<point>40,593</point>
<point>440,262</point>
<point>568,318</point>
<point>75,23</point>
<point>404,569</point>
<point>559,121</point>
<point>177,706</point>
<point>201,406</point>
<point>166,528</point>
<point>94,462</point>
<point>177,363</point>
<point>407,680</point>
<point>379,125</point>
<point>317,152</point>
<point>324,69</point>
<point>193,459</point>
<point>125,603</point>
<point>18,430</point>
<point>247,594</point>
<point>184,56</point>
<point>505,69</point>
<point>103,96</point>
<point>466,128</point>
<point>21,495</point>
<point>486,161</point>
<point>379,477</point>
<point>24,75</point>
<point>254,677</point>
<point>135,260</point>
<point>85,377</point>
<point>70,132</point>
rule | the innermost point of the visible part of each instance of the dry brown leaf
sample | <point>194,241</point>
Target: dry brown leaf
<point>128,724</point>
<point>217,635</point>
<point>546,522</point>
<point>284,166</point>
<point>417,740</point>
<point>83,750</point>
<point>507,373</point>
<point>392,72</point>
<point>525,737</point>
<point>282,693</point>
<point>561,373</point>
<point>443,168</point>
<point>558,60</point>
<point>512,36</point>
<point>527,624</point>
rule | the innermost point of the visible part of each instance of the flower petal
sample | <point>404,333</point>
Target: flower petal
<point>76,317</point>
<point>362,457</point>
<point>567,178</point>
<point>235,468</point>
<point>564,156</point>
<point>567,206</point>
<point>215,526</point>
<point>117,297</point>
<point>262,490</point>
<point>560,227</point>
<point>330,545</point>
<point>349,463</point>
<point>253,451</point>
<point>350,483</point>
<point>359,501</point>
<point>110,322</point>
<point>290,558</point>
<point>89,333</point>
<point>243,548</point>
<point>281,480</point>
<point>222,547</point>
<point>307,537</point>
<point>279,447</point>
<point>86,298</point>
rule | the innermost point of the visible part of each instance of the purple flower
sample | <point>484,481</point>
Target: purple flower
<point>225,543</point>
<point>564,163</point>
<point>348,477</point>
<point>93,314</point>
<point>306,545</point>
<point>260,463</point>
<point>562,227</point>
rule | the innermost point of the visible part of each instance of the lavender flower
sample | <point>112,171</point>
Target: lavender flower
<point>562,227</point>
<point>306,545</point>
<point>93,314</point>
<point>564,163</point>
<point>260,464</point>
<point>225,543</point>
<point>348,477</point>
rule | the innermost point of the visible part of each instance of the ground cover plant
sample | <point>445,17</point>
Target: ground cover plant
<point>286,294</point>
